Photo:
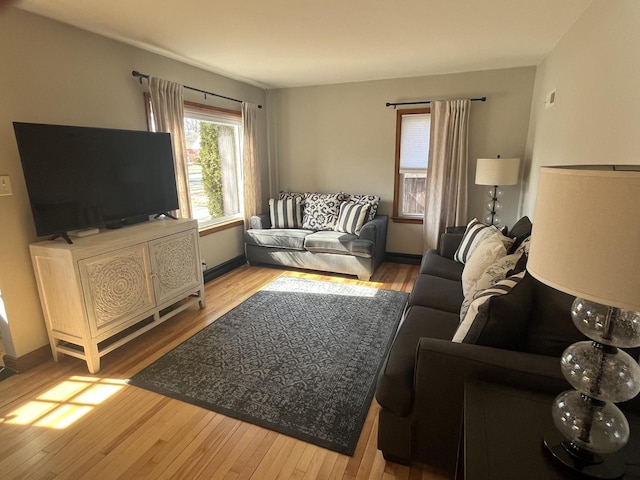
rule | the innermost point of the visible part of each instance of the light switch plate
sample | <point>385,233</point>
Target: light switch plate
<point>5,185</point>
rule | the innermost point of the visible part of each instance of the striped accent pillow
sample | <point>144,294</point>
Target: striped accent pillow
<point>471,327</point>
<point>285,213</point>
<point>475,233</point>
<point>351,218</point>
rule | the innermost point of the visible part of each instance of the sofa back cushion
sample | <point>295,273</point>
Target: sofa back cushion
<point>519,232</point>
<point>550,328</point>
<point>530,317</point>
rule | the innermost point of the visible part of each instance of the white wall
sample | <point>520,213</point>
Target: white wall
<point>342,137</point>
<point>595,69</point>
<point>54,73</point>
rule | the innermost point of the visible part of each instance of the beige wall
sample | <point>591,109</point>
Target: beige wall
<point>595,70</point>
<point>342,137</point>
<point>53,73</point>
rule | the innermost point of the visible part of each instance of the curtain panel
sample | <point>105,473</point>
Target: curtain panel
<point>167,101</point>
<point>251,163</point>
<point>446,196</point>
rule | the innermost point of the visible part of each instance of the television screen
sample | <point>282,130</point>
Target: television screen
<point>81,177</point>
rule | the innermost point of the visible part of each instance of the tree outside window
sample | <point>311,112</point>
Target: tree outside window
<point>213,140</point>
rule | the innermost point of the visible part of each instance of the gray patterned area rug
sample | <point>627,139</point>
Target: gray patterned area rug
<point>299,357</point>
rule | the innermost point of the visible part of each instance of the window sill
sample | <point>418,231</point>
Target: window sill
<point>218,227</point>
<point>417,221</point>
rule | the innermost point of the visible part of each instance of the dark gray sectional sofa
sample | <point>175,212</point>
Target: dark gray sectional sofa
<point>420,388</point>
<point>322,250</point>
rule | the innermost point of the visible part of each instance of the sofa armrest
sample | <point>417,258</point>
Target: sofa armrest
<point>260,221</point>
<point>449,243</point>
<point>442,367</point>
<point>376,231</point>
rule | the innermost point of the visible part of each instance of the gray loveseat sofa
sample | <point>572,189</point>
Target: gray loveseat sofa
<point>329,251</point>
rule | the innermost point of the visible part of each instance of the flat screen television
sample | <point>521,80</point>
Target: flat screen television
<point>80,177</point>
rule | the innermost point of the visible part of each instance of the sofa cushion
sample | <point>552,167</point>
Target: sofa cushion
<point>351,218</point>
<point>550,328</point>
<point>520,230</point>
<point>435,264</point>
<point>292,239</point>
<point>474,234</point>
<point>395,382</point>
<point>338,242</point>
<point>321,210</point>
<point>285,213</point>
<point>438,293</point>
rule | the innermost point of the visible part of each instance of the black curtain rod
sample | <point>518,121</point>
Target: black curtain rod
<point>394,105</point>
<point>139,75</point>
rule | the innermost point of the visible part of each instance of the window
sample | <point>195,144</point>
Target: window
<point>213,139</point>
<point>412,155</point>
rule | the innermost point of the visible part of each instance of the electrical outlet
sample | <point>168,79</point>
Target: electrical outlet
<point>5,185</point>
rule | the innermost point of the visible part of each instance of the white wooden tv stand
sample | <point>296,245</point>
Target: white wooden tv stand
<point>109,288</point>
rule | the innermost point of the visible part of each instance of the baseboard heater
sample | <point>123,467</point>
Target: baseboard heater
<point>219,270</point>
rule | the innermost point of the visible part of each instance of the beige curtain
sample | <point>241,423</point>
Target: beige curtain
<point>167,102</point>
<point>446,199</point>
<point>251,163</point>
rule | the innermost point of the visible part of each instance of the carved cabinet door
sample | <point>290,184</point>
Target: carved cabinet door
<point>175,263</point>
<point>117,286</point>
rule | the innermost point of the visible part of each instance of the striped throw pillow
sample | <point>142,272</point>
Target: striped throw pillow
<point>285,213</point>
<point>351,218</point>
<point>475,233</point>
<point>472,325</point>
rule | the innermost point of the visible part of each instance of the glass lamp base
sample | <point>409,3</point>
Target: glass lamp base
<point>584,462</point>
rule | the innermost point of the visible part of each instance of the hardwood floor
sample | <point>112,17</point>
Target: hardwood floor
<point>57,421</point>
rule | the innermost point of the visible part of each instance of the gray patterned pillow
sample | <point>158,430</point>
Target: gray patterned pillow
<point>371,201</point>
<point>321,210</point>
<point>292,195</point>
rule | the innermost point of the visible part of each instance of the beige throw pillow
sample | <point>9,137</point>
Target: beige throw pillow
<point>493,274</point>
<point>485,254</point>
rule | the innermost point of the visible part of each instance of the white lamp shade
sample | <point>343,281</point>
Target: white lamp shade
<point>586,234</point>
<point>497,171</point>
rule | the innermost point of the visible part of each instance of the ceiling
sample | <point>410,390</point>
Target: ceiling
<point>287,43</point>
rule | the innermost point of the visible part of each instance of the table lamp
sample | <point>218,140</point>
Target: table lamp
<point>586,242</point>
<point>496,172</point>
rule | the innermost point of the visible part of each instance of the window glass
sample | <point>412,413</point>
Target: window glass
<point>412,156</point>
<point>213,140</point>
<point>213,145</point>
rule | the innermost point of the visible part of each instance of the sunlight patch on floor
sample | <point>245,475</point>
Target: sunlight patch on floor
<point>64,404</point>
<point>348,288</point>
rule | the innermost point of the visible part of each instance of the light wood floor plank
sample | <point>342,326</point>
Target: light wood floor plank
<point>137,434</point>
